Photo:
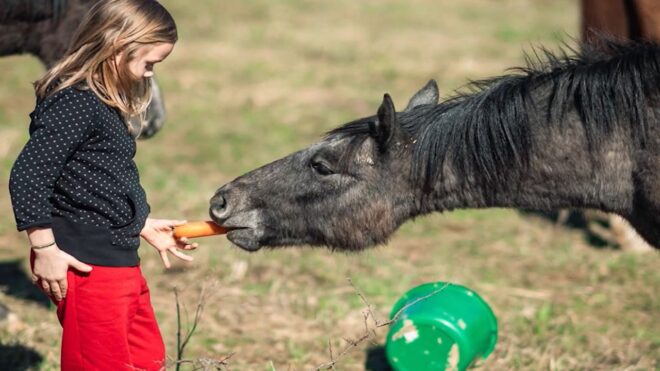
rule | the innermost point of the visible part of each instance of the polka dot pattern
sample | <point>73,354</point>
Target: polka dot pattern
<point>78,164</point>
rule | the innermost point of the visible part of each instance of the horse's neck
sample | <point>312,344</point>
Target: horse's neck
<point>560,171</point>
<point>31,10</point>
<point>38,30</point>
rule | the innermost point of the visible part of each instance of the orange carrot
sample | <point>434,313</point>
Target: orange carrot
<point>198,229</point>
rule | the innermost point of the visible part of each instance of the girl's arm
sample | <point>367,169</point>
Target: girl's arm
<point>56,132</point>
<point>59,125</point>
<point>160,234</point>
<point>50,263</point>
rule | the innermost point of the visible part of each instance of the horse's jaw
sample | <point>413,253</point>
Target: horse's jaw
<point>246,229</point>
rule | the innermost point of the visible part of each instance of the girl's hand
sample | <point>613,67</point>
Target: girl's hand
<point>50,267</point>
<point>159,233</point>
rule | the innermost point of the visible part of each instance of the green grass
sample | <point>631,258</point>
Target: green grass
<point>251,81</point>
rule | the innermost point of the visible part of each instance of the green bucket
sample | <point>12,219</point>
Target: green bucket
<point>441,326</point>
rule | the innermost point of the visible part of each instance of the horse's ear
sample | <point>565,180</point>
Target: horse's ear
<point>429,94</point>
<point>386,127</point>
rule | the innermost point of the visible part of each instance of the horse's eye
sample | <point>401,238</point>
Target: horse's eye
<point>321,168</point>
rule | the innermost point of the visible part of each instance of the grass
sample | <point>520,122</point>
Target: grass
<point>251,81</point>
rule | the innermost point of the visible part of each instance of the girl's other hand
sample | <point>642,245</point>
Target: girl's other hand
<point>49,270</point>
<point>159,233</point>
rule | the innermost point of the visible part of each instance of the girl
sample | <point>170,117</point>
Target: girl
<point>75,188</point>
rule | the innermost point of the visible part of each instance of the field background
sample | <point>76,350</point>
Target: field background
<point>251,81</point>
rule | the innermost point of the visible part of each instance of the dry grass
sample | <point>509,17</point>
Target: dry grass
<point>252,81</point>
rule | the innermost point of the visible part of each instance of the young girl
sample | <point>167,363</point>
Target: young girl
<point>75,188</point>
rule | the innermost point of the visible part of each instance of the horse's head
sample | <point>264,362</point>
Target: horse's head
<point>155,117</point>
<point>349,191</point>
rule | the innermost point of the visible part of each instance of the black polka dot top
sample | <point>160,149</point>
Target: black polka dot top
<point>76,174</point>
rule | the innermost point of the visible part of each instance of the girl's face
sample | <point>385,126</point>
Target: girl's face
<point>145,57</point>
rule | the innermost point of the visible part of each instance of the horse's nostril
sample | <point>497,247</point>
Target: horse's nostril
<point>218,207</point>
<point>219,202</point>
<point>218,214</point>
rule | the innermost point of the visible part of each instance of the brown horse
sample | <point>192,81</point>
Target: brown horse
<point>624,19</point>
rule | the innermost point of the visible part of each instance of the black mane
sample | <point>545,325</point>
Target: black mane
<point>30,10</point>
<point>485,129</point>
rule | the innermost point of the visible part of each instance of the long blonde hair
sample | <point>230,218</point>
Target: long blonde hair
<point>111,27</point>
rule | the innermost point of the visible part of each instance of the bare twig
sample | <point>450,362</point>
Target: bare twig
<point>370,332</point>
<point>432,293</point>
<point>364,300</point>
<point>178,330</point>
<point>206,364</point>
<point>332,358</point>
<point>181,343</point>
<point>198,314</point>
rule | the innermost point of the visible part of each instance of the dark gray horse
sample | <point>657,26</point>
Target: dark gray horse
<point>580,131</point>
<point>44,28</point>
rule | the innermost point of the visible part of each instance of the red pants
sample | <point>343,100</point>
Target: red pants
<point>108,322</point>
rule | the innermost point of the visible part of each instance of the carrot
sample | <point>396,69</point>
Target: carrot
<point>198,229</point>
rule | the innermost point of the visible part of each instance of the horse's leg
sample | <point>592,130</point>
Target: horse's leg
<point>626,236</point>
<point>648,227</point>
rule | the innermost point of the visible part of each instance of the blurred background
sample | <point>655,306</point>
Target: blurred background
<point>251,81</point>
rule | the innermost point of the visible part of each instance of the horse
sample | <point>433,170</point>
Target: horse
<point>573,129</point>
<point>621,19</point>
<point>624,19</point>
<point>43,28</point>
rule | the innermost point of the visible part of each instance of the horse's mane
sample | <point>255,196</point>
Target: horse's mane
<point>30,10</point>
<point>485,129</point>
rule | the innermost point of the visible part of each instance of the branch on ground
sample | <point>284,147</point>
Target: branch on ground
<point>369,331</point>
<point>205,364</point>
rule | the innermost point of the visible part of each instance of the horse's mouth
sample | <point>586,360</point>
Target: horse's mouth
<point>244,237</point>
<point>244,230</point>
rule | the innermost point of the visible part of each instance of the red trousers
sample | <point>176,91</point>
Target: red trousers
<point>108,322</point>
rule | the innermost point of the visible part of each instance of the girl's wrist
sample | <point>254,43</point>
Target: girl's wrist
<point>46,250</point>
<point>147,226</point>
<point>41,238</point>
<point>42,246</point>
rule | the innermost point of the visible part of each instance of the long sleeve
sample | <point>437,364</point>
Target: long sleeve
<point>59,126</point>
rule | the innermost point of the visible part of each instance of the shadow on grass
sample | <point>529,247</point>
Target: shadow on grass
<point>17,283</point>
<point>376,359</point>
<point>17,357</point>
<point>574,220</point>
